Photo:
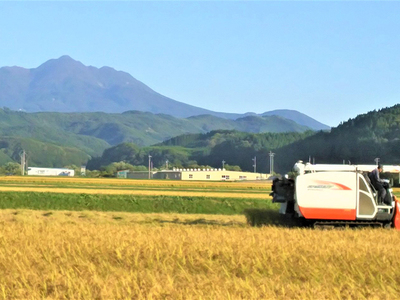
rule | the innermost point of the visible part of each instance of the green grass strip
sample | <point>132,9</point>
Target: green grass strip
<point>130,203</point>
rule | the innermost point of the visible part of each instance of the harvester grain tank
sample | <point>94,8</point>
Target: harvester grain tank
<point>333,195</point>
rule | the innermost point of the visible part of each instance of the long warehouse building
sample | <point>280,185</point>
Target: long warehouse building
<point>196,174</point>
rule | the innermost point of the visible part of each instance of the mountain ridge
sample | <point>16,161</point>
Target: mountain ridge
<point>143,128</point>
<point>67,85</point>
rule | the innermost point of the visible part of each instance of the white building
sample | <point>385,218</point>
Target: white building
<point>50,172</point>
<point>209,174</point>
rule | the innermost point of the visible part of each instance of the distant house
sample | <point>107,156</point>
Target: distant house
<point>122,173</point>
<point>83,170</point>
<point>134,174</point>
<point>50,171</point>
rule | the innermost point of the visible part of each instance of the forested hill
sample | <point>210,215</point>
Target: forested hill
<point>359,141</point>
<point>81,135</point>
<point>210,149</point>
<point>235,138</point>
<point>382,125</point>
<point>94,132</point>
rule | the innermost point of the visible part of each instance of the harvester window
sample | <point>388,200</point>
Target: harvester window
<point>362,185</point>
<point>366,205</point>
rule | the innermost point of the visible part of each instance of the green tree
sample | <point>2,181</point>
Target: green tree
<point>114,167</point>
<point>93,173</point>
<point>12,168</point>
<point>75,168</point>
<point>232,168</point>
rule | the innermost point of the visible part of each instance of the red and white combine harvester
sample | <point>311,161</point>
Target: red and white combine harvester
<point>336,195</point>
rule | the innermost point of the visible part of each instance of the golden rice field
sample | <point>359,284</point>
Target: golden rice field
<point>130,182</point>
<point>259,190</point>
<point>89,255</point>
<point>117,255</point>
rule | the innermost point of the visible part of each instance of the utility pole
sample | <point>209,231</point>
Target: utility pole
<point>271,162</point>
<point>149,165</point>
<point>223,164</point>
<point>166,164</point>
<point>23,161</point>
<point>255,163</point>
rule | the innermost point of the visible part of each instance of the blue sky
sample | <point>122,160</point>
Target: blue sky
<point>329,60</point>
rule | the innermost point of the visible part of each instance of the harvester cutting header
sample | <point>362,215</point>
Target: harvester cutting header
<point>326,194</point>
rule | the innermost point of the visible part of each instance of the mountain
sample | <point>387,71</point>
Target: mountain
<point>54,128</point>
<point>94,132</point>
<point>66,85</point>
<point>251,123</point>
<point>297,117</point>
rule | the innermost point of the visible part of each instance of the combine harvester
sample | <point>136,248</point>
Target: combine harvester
<point>336,195</point>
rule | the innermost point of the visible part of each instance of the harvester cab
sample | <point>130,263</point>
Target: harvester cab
<point>328,194</point>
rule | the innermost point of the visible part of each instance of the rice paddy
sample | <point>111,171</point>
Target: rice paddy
<point>253,190</point>
<point>93,253</point>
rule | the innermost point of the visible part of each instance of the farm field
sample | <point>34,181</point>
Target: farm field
<point>242,189</point>
<point>87,245</point>
<point>145,196</point>
<point>255,190</point>
<point>91,255</point>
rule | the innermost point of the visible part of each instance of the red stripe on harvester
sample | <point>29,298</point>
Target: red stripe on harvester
<point>339,186</point>
<point>328,213</point>
<point>397,214</point>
